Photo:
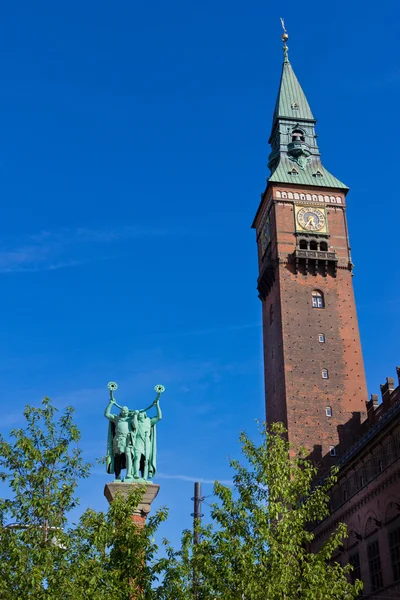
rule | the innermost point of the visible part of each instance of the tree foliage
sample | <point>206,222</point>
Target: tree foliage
<point>42,465</point>
<point>258,545</point>
<point>110,557</point>
<point>105,556</point>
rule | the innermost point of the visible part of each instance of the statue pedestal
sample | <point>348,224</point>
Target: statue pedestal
<point>143,509</point>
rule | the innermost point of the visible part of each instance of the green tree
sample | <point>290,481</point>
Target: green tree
<point>257,547</point>
<point>110,557</point>
<point>42,465</point>
<point>106,556</point>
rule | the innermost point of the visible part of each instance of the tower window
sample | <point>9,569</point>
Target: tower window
<point>328,411</point>
<point>394,546</point>
<point>354,560</point>
<point>271,314</point>
<point>323,246</point>
<point>313,245</point>
<point>303,244</point>
<point>332,451</point>
<point>317,299</point>
<point>375,569</point>
<point>321,338</point>
<point>325,374</point>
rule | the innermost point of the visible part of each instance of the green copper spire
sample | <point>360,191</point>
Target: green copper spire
<point>295,156</point>
<point>291,101</point>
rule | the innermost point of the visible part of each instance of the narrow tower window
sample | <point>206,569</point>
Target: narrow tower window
<point>313,245</point>
<point>325,374</point>
<point>303,245</point>
<point>375,568</point>
<point>394,546</point>
<point>332,450</point>
<point>323,246</point>
<point>328,411</point>
<point>317,299</point>
<point>271,314</point>
<point>354,560</point>
<point>321,338</point>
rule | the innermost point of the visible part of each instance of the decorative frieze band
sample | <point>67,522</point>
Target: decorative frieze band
<point>309,197</point>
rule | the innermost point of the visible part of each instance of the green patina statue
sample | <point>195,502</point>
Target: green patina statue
<point>131,443</point>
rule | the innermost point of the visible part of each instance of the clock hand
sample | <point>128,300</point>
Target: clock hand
<point>310,221</point>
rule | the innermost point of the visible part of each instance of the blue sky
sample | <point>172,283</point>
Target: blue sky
<point>133,150</point>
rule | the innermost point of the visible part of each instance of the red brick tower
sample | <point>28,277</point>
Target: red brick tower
<point>314,372</point>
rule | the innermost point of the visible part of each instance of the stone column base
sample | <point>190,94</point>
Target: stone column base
<point>143,509</point>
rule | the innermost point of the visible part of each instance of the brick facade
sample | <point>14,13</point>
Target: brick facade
<point>367,499</point>
<point>319,413</point>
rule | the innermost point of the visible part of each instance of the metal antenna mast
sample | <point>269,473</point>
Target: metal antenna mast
<point>197,515</point>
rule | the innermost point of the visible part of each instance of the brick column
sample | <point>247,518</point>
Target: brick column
<point>143,509</point>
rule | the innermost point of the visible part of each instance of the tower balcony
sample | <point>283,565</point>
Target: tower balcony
<point>298,148</point>
<point>313,261</point>
<point>266,277</point>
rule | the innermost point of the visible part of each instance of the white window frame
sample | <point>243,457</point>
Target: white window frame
<point>328,411</point>
<point>318,299</point>
<point>321,338</point>
<point>317,302</point>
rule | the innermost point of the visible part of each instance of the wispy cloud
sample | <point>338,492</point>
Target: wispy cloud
<point>193,479</point>
<point>50,250</point>
<point>97,471</point>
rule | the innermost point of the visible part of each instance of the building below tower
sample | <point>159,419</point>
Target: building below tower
<point>367,498</point>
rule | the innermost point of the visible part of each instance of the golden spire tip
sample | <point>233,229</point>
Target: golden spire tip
<point>284,39</point>
<point>285,35</point>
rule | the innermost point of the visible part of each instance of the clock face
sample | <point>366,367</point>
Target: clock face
<point>311,219</point>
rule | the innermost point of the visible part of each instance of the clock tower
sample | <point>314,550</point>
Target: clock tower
<point>314,373</point>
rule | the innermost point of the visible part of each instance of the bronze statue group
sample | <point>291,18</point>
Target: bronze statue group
<point>131,443</point>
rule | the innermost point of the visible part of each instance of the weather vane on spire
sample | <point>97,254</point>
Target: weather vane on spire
<point>284,39</point>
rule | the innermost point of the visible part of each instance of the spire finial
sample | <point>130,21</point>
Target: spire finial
<point>284,39</point>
